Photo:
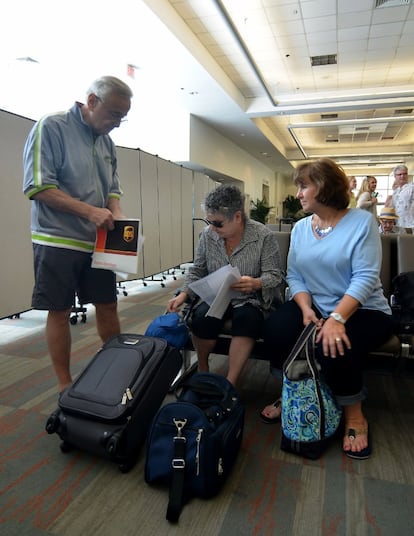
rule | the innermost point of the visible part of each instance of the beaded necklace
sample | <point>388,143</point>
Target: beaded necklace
<point>322,232</point>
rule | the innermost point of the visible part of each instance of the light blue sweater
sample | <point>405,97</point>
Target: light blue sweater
<point>346,261</point>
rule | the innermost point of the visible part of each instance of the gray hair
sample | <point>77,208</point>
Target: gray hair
<point>399,168</point>
<point>106,85</point>
<point>225,200</point>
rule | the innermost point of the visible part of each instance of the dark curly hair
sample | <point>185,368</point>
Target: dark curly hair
<point>225,200</point>
<point>331,180</point>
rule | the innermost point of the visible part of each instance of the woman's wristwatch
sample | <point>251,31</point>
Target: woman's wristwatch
<point>338,317</point>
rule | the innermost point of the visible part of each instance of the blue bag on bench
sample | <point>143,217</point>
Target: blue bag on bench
<point>171,327</point>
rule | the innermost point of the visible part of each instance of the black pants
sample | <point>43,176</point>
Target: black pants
<point>366,331</point>
<point>247,321</point>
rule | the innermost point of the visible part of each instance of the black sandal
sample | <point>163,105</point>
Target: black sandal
<point>365,453</point>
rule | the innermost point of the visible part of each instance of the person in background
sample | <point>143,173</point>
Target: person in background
<point>341,293</point>
<point>403,198</point>
<point>352,187</point>
<point>387,219</point>
<point>367,196</point>
<point>232,238</point>
<point>388,201</point>
<point>70,176</point>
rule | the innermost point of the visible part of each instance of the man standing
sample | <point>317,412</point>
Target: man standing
<point>403,197</point>
<point>70,175</point>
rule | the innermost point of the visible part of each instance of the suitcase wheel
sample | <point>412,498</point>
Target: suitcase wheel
<point>52,424</point>
<point>125,467</point>
<point>112,445</point>
<point>65,447</point>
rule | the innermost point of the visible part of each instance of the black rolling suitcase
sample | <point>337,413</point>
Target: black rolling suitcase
<point>108,409</point>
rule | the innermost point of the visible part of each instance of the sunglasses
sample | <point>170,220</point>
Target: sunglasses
<point>216,223</point>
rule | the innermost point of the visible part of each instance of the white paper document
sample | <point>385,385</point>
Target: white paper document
<point>215,290</point>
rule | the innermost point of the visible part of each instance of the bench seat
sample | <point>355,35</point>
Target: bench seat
<point>396,347</point>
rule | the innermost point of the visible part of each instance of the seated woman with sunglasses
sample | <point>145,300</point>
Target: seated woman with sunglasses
<point>232,238</point>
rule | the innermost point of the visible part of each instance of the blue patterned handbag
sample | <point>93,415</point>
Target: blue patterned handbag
<point>310,413</point>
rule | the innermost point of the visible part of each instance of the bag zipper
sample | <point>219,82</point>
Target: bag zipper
<point>126,396</point>
<point>198,441</point>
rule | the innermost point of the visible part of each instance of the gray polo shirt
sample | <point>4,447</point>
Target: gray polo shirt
<point>63,152</point>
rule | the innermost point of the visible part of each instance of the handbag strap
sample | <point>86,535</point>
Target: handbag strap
<point>176,492</point>
<point>307,340</point>
<point>307,336</point>
<point>310,358</point>
<point>310,355</point>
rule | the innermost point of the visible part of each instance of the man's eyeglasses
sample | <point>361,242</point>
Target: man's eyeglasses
<point>116,116</point>
<point>216,223</point>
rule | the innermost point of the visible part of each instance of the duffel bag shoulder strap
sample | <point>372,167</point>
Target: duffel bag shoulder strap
<point>176,492</point>
<point>205,389</point>
<point>208,389</point>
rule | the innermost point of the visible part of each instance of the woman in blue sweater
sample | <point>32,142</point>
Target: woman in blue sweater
<point>334,263</point>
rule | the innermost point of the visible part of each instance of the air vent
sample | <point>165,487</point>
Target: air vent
<point>327,59</point>
<point>403,111</point>
<point>331,140</point>
<point>329,116</point>
<point>387,138</point>
<point>391,3</point>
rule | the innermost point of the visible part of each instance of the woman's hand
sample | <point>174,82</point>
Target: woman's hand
<point>310,316</point>
<point>175,303</point>
<point>334,339</point>
<point>247,284</point>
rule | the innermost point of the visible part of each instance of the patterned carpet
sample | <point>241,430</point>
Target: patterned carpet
<point>44,491</point>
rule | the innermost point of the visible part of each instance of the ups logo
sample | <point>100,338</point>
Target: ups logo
<point>129,233</point>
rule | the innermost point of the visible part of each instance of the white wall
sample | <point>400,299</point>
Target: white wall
<point>153,191</point>
<point>210,149</point>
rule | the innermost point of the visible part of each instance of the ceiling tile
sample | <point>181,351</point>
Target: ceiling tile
<point>350,20</point>
<point>315,24</point>
<point>327,38</point>
<point>283,13</point>
<point>381,30</point>
<point>311,7</point>
<point>353,34</point>
<point>354,6</point>
<point>386,15</point>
